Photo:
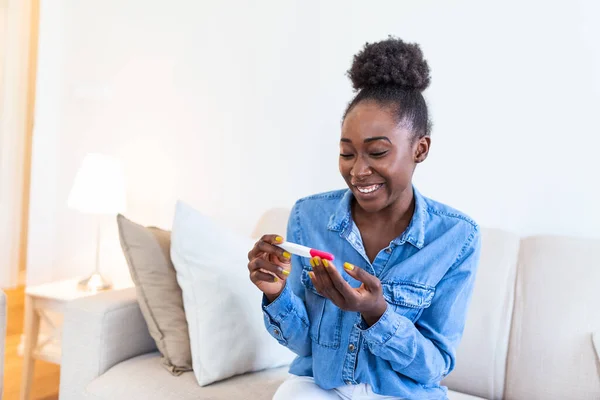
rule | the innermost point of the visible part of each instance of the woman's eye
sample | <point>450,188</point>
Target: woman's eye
<point>346,155</point>
<point>379,154</point>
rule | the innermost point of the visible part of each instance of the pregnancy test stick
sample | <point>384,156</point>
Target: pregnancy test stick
<point>304,251</point>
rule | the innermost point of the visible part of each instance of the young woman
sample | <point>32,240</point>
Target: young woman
<point>385,321</point>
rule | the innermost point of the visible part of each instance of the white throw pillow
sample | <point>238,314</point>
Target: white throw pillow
<point>222,306</point>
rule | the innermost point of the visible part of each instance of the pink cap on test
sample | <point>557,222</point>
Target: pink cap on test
<point>322,254</point>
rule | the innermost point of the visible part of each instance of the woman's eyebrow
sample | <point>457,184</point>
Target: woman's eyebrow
<point>375,138</point>
<point>368,140</point>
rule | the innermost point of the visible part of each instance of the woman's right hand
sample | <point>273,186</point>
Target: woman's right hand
<point>269,266</point>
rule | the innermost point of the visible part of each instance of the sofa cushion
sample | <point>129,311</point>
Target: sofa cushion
<point>481,355</point>
<point>557,311</point>
<point>143,378</point>
<point>452,395</point>
<point>147,250</point>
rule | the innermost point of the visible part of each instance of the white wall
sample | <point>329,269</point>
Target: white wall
<point>212,101</point>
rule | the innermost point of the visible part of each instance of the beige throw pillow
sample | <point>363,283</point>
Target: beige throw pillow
<point>159,295</point>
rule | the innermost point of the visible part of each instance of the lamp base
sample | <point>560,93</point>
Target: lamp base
<point>94,283</point>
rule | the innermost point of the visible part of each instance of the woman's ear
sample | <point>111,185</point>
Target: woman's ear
<point>422,149</point>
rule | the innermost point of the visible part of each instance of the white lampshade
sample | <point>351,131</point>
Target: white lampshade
<point>99,186</point>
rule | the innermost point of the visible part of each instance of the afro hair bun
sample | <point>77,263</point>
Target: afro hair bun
<point>390,62</point>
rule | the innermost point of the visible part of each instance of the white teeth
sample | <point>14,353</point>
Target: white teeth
<point>368,189</point>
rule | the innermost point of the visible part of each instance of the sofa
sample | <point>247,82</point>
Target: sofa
<point>3,311</point>
<point>530,334</point>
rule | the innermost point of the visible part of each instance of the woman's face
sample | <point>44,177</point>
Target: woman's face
<point>378,155</point>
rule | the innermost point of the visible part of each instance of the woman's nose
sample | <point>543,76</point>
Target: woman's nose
<point>360,168</point>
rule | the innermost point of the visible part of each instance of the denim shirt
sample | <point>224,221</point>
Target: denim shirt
<point>427,277</point>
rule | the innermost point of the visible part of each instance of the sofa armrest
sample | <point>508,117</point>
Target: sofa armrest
<point>99,332</point>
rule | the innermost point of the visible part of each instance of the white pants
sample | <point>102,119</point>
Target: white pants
<point>305,388</point>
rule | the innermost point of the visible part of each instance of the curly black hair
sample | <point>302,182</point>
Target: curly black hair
<point>393,73</point>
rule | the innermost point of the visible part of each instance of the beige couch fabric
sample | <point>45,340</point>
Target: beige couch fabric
<point>481,356</point>
<point>557,309</point>
<point>143,378</point>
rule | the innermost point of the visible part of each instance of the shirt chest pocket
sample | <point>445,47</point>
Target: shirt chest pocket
<point>325,317</point>
<point>408,299</point>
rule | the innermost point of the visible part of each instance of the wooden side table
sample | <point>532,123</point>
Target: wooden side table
<point>39,301</point>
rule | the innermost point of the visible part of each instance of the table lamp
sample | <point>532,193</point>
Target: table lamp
<point>98,189</point>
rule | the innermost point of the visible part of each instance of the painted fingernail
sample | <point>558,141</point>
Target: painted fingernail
<point>326,263</point>
<point>317,261</point>
<point>312,275</point>
<point>348,266</point>
<point>287,255</point>
<point>312,263</point>
<point>279,239</point>
<point>285,272</point>
<point>275,279</point>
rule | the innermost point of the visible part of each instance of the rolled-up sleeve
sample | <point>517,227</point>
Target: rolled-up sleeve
<point>286,318</point>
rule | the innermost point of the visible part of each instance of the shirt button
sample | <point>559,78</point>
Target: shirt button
<point>348,383</point>
<point>276,332</point>
<point>388,250</point>
<point>351,347</point>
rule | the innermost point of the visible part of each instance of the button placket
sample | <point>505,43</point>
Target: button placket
<point>350,361</point>
<point>353,237</point>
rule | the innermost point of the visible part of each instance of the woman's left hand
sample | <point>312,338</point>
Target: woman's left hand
<point>367,299</point>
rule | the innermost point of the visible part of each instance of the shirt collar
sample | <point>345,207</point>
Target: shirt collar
<point>340,219</point>
<point>414,234</point>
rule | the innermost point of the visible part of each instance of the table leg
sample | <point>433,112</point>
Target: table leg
<point>31,331</point>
